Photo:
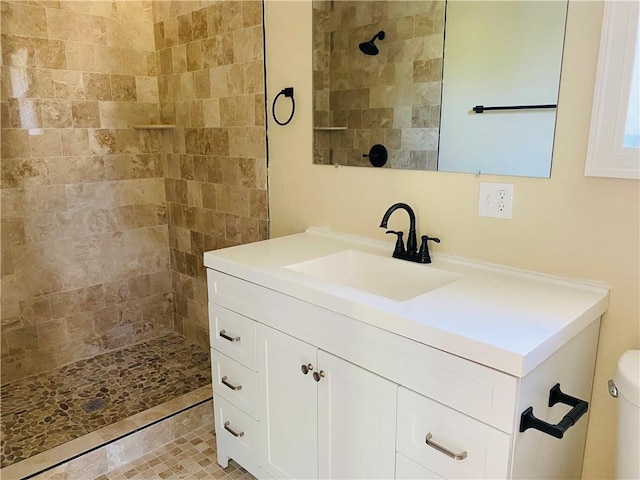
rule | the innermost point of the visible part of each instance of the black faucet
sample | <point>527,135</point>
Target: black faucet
<point>411,252</point>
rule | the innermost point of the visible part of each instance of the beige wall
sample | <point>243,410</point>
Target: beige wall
<point>566,225</point>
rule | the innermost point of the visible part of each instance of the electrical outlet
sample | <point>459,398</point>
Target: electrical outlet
<point>495,200</point>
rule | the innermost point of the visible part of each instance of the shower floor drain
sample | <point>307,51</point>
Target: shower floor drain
<point>94,405</point>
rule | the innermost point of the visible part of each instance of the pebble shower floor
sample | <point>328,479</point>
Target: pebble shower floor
<point>42,411</point>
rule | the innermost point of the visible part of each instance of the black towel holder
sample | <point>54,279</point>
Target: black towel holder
<point>482,108</point>
<point>287,92</point>
<point>580,407</point>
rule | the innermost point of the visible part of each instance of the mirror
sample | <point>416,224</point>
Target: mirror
<point>392,72</point>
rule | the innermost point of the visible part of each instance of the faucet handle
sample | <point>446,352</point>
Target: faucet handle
<point>425,238</point>
<point>399,248</point>
<point>423,253</point>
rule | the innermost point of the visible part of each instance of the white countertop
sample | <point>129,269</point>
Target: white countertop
<point>504,318</point>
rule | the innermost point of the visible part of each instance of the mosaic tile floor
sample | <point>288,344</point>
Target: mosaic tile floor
<point>192,456</point>
<point>46,410</point>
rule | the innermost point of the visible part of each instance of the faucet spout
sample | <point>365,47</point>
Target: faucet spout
<point>412,241</point>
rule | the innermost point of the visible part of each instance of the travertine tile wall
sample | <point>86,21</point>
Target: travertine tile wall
<point>322,25</point>
<point>392,98</point>
<point>90,206</point>
<point>85,258</point>
<point>211,85</point>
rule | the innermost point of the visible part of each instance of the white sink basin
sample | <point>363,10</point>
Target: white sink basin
<point>385,276</point>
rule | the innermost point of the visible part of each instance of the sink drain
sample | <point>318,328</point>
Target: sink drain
<point>94,405</point>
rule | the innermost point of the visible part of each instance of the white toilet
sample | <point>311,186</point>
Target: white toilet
<point>626,386</point>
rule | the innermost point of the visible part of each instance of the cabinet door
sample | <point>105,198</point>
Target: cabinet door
<point>356,421</point>
<point>287,405</point>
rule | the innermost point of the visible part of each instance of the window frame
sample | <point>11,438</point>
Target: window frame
<point>606,156</point>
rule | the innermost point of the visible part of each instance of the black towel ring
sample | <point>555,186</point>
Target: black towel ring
<point>287,92</point>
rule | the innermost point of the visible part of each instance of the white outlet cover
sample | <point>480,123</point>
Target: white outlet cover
<point>491,202</point>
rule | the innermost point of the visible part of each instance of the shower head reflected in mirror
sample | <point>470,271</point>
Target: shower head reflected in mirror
<point>370,48</point>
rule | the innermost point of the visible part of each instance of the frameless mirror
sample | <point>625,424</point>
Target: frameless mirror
<point>477,93</point>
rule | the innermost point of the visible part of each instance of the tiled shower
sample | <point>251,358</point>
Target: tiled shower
<point>105,216</point>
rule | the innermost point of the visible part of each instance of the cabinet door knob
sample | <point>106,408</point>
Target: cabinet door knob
<point>232,431</point>
<point>318,375</point>
<point>306,368</point>
<point>446,451</point>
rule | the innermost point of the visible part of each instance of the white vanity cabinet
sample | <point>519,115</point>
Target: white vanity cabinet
<point>305,413</point>
<point>322,417</point>
<point>308,385</point>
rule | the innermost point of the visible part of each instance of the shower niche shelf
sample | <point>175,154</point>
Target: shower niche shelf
<point>329,129</point>
<point>161,126</point>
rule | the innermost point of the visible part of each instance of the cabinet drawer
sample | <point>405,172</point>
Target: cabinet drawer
<point>483,451</point>
<point>233,335</point>
<point>236,432</point>
<point>235,383</point>
<point>409,470</point>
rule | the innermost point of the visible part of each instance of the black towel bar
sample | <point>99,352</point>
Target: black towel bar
<point>482,108</point>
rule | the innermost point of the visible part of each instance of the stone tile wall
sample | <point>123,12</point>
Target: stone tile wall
<point>211,85</point>
<point>391,98</point>
<point>85,258</point>
<point>104,226</point>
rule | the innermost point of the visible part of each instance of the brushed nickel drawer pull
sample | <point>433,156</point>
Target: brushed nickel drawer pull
<point>232,431</point>
<point>230,385</point>
<point>223,334</point>
<point>446,451</point>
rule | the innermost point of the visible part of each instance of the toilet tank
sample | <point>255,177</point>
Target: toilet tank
<point>627,384</point>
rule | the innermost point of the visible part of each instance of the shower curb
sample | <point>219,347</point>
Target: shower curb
<point>109,448</point>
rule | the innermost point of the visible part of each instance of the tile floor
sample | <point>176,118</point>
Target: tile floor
<point>192,456</point>
<point>43,411</point>
<point>111,447</point>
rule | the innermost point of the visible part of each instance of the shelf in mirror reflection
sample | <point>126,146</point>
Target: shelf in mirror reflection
<point>153,126</point>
